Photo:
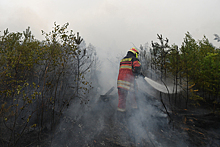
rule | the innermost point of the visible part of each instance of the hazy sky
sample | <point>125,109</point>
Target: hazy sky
<point>112,25</point>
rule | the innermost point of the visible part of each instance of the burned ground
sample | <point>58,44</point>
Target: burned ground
<point>102,125</point>
<point>99,124</point>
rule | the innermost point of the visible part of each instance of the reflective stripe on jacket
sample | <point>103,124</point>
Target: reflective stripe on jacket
<point>129,66</point>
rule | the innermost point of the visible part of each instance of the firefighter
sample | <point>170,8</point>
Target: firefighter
<point>130,68</point>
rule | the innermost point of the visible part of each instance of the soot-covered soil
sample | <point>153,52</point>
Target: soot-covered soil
<point>101,125</point>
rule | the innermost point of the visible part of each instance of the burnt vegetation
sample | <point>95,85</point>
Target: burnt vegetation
<point>192,70</point>
<point>50,94</point>
<point>39,80</point>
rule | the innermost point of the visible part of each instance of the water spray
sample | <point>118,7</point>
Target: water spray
<point>160,87</point>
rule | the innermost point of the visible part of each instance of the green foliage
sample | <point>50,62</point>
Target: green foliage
<point>195,67</point>
<point>211,72</point>
<point>38,77</point>
<point>159,55</point>
<point>198,62</point>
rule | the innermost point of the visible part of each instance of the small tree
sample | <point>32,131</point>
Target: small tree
<point>37,80</point>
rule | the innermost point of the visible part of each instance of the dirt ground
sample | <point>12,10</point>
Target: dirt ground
<point>101,125</point>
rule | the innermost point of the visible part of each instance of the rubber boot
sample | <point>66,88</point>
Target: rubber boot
<point>121,117</point>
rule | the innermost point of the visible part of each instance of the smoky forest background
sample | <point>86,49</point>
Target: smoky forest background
<point>40,81</point>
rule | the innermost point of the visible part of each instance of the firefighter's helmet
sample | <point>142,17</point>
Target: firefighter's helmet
<point>134,51</point>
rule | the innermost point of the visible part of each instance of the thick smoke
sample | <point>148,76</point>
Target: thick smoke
<point>84,125</point>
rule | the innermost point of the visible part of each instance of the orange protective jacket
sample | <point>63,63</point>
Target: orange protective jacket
<point>129,68</point>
